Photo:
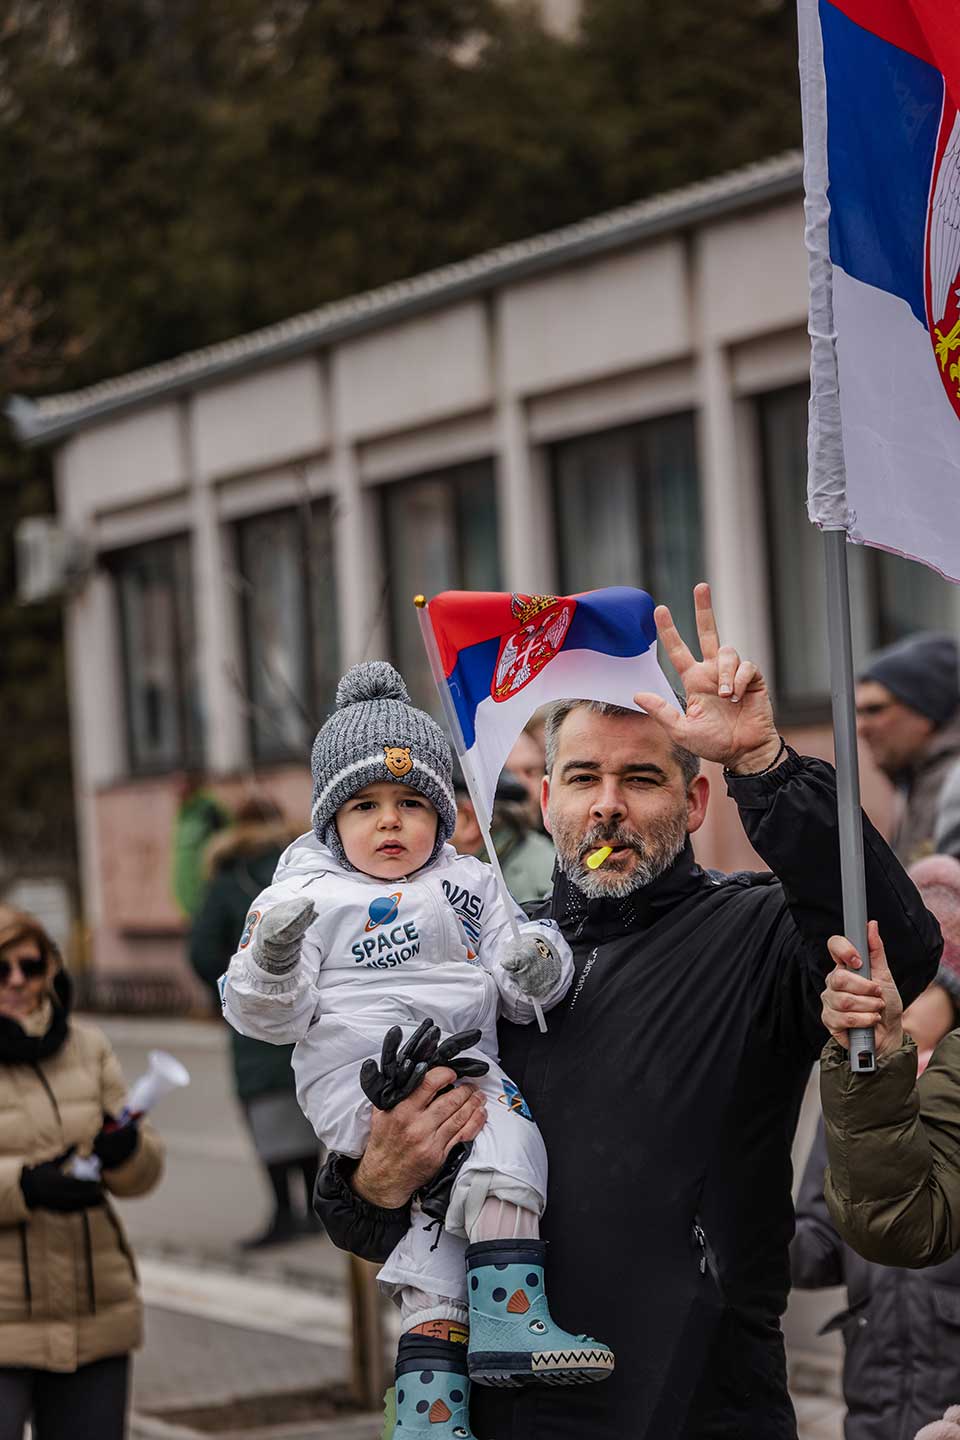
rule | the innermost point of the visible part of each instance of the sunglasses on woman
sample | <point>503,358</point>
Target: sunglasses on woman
<point>31,967</point>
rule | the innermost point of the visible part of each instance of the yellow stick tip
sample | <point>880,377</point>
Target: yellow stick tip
<point>419,601</point>
<point>597,858</point>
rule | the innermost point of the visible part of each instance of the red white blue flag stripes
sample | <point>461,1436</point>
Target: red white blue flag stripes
<point>502,656</point>
<point>880,82</point>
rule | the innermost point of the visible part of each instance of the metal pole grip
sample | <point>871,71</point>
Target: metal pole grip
<point>850,826</point>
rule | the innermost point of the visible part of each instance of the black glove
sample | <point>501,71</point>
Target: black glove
<point>48,1187</point>
<point>115,1143</point>
<point>465,1069</point>
<point>402,1068</point>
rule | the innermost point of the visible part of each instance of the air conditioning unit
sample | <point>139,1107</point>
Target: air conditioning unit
<point>49,561</point>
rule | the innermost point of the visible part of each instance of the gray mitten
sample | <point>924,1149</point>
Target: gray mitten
<point>276,940</point>
<point>533,963</point>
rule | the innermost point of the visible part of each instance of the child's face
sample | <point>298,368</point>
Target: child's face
<point>387,830</point>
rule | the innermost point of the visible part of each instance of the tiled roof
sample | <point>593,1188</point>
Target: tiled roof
<point>55,416</point>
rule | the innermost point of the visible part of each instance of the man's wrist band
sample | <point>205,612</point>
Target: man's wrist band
<point>754,774</point>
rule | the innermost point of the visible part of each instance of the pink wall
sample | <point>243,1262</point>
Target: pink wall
<point>141,928</point>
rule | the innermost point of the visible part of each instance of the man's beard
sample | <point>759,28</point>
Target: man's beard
<point>656,851</point>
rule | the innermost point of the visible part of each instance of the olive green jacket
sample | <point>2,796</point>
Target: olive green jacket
<point>893,1183</point>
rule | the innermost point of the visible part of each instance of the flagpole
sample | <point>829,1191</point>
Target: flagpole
<point>459,744</point>
<point>862,1050</point>
<point>827,493</point>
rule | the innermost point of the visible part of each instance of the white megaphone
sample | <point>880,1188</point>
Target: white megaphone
<point>164,1073</point>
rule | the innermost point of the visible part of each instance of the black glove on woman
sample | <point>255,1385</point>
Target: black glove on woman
<point>48,1187</point>
<point>115,1143</point>
<point>402,1068</point>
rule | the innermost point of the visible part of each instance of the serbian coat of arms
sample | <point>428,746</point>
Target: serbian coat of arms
<point>543,624</point>
<point>943,257</point>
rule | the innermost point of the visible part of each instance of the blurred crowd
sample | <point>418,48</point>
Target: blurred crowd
<point>900,1326</point>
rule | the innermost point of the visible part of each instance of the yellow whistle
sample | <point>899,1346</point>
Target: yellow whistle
<point>597,858</point>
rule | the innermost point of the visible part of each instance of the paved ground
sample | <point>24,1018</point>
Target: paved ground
<point>820,1418</point>
<point>222,1324</point>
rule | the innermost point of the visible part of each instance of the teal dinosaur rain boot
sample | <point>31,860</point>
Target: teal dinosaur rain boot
<point>432,1391</point>
<point>513,1340</point>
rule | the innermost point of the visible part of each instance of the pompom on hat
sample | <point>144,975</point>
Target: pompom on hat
<point>376,734</point>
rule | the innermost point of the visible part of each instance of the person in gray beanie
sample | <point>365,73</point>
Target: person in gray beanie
<point>373,921</point>
<point>908,716</point>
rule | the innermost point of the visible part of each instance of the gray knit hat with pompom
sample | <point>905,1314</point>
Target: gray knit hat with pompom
<point>376,734</point>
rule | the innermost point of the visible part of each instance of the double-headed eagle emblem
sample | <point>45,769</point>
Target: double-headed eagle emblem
<point>543,624</point>
<point>944,264</point>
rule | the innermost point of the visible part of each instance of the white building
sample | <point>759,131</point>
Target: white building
<point>619,402</point>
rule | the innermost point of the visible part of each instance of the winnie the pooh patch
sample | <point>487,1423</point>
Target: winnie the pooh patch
<point>397,760</point>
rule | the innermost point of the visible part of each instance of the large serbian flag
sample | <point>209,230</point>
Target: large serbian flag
<point>502,656</point>
<point>880,82</point>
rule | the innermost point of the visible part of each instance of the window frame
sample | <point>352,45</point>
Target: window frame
<point>878,630</point>
<point>280,753</point>
<point>790,710</point>
<point>191,751</point>
<point>645,501</point>
<point>634,430</point>
<point>392,491</point>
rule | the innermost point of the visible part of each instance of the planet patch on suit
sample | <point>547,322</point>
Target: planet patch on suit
<point>383,911</point>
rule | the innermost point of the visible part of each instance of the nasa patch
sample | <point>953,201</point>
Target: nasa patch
<point>514,1101</point>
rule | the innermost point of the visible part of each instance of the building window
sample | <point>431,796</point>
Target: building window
<point>889,597</point>
<point>439,532</point>
<point>155,592</point>
<point>289,609</point>
<point>627,511</point>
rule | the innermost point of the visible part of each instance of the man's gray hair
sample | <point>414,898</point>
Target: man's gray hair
<point>557,712</point>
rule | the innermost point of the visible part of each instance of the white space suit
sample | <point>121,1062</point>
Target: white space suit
<point>384,953</point>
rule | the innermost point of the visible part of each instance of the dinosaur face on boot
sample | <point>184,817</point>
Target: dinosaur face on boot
<point>513,1337</point>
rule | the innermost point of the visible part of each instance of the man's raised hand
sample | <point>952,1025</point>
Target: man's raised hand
<point>729,717</point>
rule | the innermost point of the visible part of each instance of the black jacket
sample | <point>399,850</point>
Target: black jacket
<point>901,1328</point>
<point>668,1089</point>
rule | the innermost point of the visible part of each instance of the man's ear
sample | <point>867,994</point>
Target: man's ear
<point>544,802</point>
<point>698,794</point>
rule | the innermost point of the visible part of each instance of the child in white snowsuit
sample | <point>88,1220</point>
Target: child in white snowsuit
<point>374,921</point>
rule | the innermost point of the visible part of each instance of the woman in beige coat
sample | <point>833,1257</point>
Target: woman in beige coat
<point>70,1311</point>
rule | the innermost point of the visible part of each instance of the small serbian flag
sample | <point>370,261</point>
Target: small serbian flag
<point>500,657</point>
<point>880,83</point>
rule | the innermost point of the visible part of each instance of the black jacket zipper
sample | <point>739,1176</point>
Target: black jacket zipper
<point>707,1259</point>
